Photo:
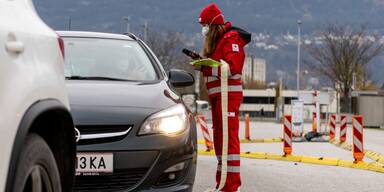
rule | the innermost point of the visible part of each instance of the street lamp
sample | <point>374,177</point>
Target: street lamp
<point>127,22</point>
<point>298,56</point>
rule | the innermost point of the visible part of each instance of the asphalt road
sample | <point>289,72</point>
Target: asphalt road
<point>276,176</point>
<point>280,176</point>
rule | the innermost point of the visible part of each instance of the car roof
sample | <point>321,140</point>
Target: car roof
<point>89,34</point>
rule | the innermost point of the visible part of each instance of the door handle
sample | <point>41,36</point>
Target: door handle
<point>14,47</point>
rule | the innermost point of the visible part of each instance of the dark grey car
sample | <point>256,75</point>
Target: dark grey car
<point>134,133</point>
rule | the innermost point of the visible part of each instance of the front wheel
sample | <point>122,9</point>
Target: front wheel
<point>36,168</point>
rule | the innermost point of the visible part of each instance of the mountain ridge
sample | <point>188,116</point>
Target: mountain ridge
<point>275,18</point>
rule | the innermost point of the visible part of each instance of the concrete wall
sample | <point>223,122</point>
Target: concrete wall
<point>372,109</point>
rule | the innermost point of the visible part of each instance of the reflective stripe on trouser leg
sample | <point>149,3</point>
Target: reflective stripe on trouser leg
<point>233,181</point>
<point>230,169</point>
<point>231,157</point>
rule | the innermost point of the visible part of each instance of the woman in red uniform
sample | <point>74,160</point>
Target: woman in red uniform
<point>224,42</point>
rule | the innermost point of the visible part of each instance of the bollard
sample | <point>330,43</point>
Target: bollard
<point>343,128</point>
<point>314,123</point>
<point>287,137</point>
<point>332,127</point>
<point>201,121</point>
<point>247,127</point>
<point>358,149</point>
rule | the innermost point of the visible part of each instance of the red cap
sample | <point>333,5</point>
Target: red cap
<point>211,15</point>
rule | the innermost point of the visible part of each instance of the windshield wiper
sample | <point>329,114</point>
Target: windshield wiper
<point>96,78</point>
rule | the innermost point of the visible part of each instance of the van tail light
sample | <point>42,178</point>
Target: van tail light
<point>61,44</point>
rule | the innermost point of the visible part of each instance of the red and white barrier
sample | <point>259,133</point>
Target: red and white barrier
<point>247,127</point>
<point>287,135</point>
<point>358,133</point>
<point>332,127</point>
<point>202,122</point>
<point>314,122</point>
<point>343,128</point>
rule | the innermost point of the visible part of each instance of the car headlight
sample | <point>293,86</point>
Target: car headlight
<point>171,121</point>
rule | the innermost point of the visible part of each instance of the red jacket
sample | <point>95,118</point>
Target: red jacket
<point>229,48</point>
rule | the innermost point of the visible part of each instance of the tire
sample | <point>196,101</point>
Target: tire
<point>36,168</point>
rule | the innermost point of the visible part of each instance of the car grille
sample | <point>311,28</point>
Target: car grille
<point>119,180</point>
<point>102,129</point>
<point>95,129</point>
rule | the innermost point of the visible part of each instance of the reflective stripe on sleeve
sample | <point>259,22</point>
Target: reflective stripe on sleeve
<point>212,78</point>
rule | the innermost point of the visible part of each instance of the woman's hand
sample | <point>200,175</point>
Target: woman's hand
<point>197,67</point>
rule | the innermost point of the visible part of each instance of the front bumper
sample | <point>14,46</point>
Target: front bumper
<point>140,162</point>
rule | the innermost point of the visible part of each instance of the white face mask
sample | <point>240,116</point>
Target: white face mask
<point>205,30</point>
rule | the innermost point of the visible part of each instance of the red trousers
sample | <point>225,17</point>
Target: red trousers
<point>233,180</point>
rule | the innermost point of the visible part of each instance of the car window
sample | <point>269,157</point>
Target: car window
<point>120,59</point>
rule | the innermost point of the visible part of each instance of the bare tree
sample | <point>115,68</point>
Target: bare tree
<point>167,46</point>
<point>343,54</point>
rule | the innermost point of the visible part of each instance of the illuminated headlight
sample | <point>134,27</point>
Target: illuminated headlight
<point>171,121</point>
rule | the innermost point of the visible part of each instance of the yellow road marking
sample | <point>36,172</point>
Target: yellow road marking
<point>377,167</point>
<point>379,158</point>
<point>267,140</point>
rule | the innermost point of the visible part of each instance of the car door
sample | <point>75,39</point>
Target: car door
<point>17,76</point>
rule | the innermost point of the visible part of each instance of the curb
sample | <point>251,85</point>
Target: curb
<point>267,140</point>
<point>376,167</point>
<point>378,157</point>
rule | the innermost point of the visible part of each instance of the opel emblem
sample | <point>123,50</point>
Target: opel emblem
<point>77,135</point>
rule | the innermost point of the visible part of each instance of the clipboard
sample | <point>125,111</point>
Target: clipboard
<point>205,62</point>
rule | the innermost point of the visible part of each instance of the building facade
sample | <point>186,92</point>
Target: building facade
<point>254,70</point>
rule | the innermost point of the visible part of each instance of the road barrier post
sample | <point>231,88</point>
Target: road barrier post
<point>247,127</point>
<point>314,123</point>
<point>287,135</point>
<point>332,127</point>
<point>201,121</point>
<point>343,128</point>
<point>358,133</point>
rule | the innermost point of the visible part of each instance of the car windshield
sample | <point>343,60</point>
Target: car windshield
<point>107,59</point>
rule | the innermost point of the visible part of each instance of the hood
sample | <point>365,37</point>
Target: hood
<point>244,35</point>
<point>120,94</point>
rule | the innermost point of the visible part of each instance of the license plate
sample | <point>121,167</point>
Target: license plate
<point>94,163</point>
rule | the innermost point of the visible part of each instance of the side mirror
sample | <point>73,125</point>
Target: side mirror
<point>180,78</point>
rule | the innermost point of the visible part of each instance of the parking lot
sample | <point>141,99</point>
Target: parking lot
<point>271,175</point>
<point>111,95</point>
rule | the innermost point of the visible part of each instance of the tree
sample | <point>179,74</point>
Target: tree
<point>167,47</point>
<point>343,55</point>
